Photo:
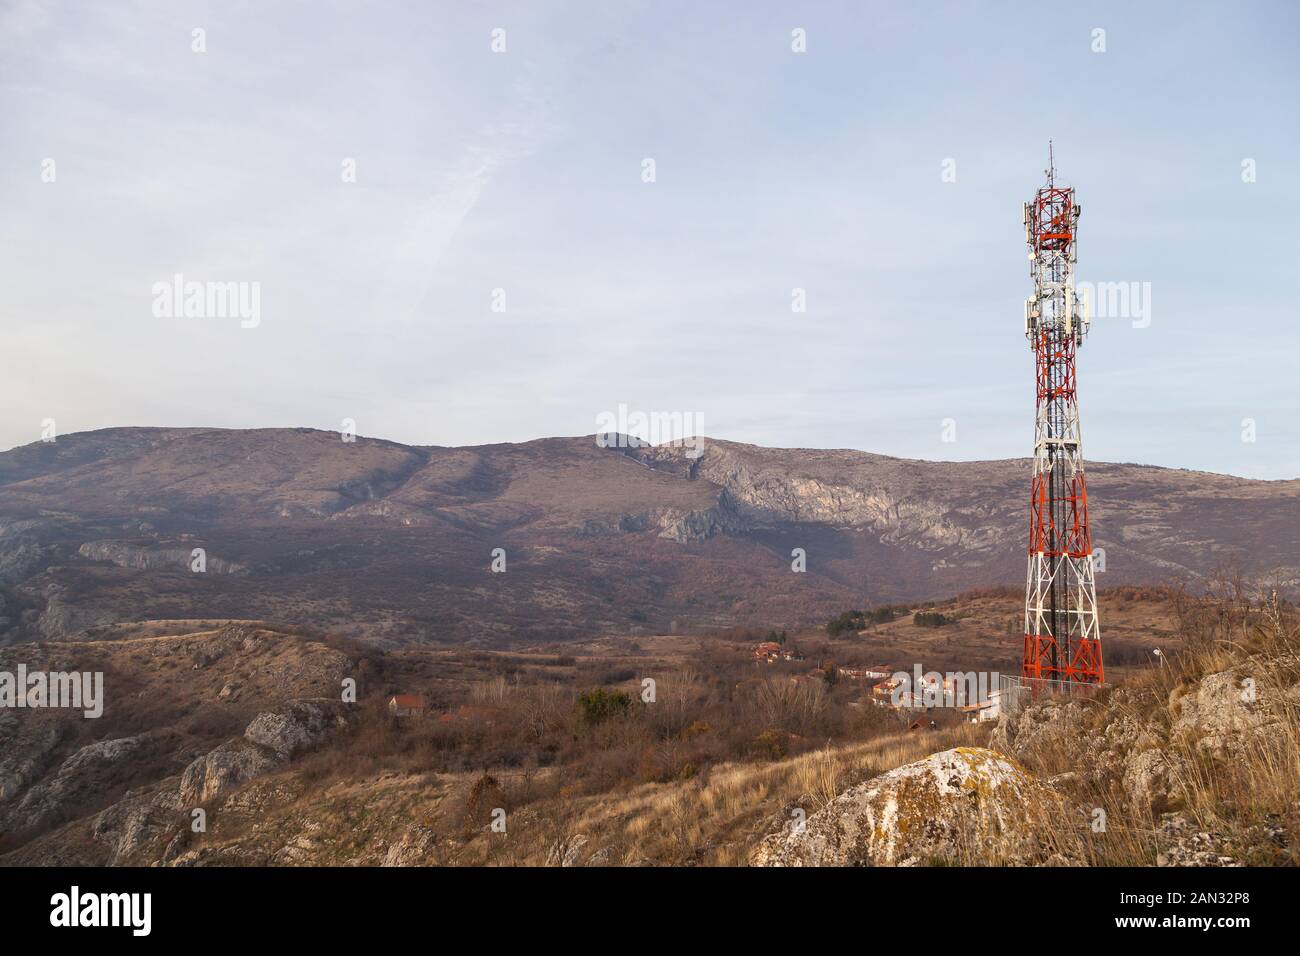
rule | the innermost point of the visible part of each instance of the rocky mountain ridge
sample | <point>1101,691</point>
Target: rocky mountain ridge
<point>396,541</point>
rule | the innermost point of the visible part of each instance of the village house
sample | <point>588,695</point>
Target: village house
<point>406,705</point>
<point>990,709</point>
<point>934,691</point>
<point>939,689</point>
<point>883,693</point>
<point>971,712</point>
<point>876,672</point>
<point>770,651</point>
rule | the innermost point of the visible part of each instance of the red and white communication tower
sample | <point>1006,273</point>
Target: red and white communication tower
<point>1062,634</point>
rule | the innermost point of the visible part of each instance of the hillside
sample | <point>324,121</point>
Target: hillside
<point>244,722</point>
<point>167,701</point>
<point>394,543</point>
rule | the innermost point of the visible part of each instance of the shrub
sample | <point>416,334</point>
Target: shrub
<point>852,621</point>
<point>930,619</point>
<point>598,705</point>
<point>618,675</point>
<point>484,796</point>
<point>696,728</point>
<point>846,622</point>
<point>772,745</point>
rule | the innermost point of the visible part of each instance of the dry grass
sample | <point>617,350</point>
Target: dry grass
<point>717,812</point>
<point>713,819</point>
<point>683,782</point>
<point>1236,793</point>
<point>716,819</point>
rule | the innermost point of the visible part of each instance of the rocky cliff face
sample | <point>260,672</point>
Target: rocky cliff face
<point>154,558</point>
<point>840,489</point>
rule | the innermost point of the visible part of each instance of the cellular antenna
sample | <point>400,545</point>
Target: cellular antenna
<point>1062,637</point>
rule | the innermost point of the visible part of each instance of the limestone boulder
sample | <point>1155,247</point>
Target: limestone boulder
<point>966,805</point>
<point>225,768</point>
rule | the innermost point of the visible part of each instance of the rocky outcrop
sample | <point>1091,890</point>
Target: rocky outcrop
<point>21,553</point>
<point>687,526</point>
<point>66,796</point>
<point>967,805</point>
<point>762,489</point>
<point>137,825</point>
<point>413,848</point>
<point>1220,714</point>
<point>270,740</point>
<point>1155,757</point>
<point>230,765</point>
<point>63,618</point>
<point>673,524</point>
<point>1103,747</point>
<point>77,780</point>
<point>18,560</point>
<point>202,856</point>
<point>154,558</point>
<point>23,755</point>
<point>293,728</point>
<point>1153,779</point>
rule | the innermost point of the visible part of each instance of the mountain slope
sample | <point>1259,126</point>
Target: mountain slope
<point>395,543</point>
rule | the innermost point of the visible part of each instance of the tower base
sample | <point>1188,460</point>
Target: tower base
<point>1044,660</point>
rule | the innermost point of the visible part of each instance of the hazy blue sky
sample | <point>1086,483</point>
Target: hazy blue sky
<point>775,170</point>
